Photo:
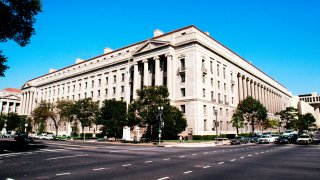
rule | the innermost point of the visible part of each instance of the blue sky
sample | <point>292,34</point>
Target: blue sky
<point>280,37</point>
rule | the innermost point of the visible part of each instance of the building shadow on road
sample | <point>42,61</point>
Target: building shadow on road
<point>14,146</point>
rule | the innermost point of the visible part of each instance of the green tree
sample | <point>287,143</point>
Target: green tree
<point>253,112</point>
<point>44,112</point>
<point>16,23</point>
<point>144,111</point>
<point>289,116</point>
<point>237,120</point>
<point>85,111</point>
<point>305,121</point>
<point>174,122</point>
<point>270,123</point>
<point>65,109</point>
<point>113,117</point>
<point>13,122</point>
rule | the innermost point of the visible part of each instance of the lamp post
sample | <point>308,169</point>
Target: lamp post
<point>25,128</point>
<point>216,123</point>
<point>160,112</point>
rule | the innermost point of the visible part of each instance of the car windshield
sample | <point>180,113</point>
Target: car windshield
<point>304,136</point>
<point>274,135</point>
<point>264,136</point>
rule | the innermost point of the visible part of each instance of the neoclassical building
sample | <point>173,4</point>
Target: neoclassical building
<point>10,100</point>
<point>201,74</point>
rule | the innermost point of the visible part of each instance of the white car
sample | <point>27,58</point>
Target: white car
<point>265,139</point>
<point>274,137</point>
<point>49,137</point>
<point>304,139</point>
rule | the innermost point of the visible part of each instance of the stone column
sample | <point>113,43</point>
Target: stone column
<point>27,103</point>
<point>135,79</point>
<point>145,72</point>
<point>262,96</point>
<point>31,103</point>
<point>244,81</point>
<point>22,104</point>
<point>169,74</point>
<point>14,107</point>
<point>157,71</point>
<point>7,107</point>
<point>252,90</point>
<point>240,90</point>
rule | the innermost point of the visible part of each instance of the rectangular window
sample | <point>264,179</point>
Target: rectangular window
<point>225,98</point>
<point>122,77</point>
<point>114,90</point>
<point>183,109</point>
<point>221,113</point>
<point>204,78</point>
<point>211,67</point>
<point>212,96</point>
<point>205,125</point>
<point>227,112</point>
<point>92,94</point>
<point>204,109</point>
<point>85,95</point>
<point>99,82</point>
<point>114,78</point>
<point>68,88</point>
<point>79,96</point>
<point>204,92</point>
<point>224,72</point>
<point>183,77</point>
<point>122,89</point>
<point>225,86</point>
<point>92,83</point>
<point>98,93</point>
<point>203,63</point>
<point>183,92</point>
<point>106,92</point>
<point>232,100</point>
<point>218,70</point>
<point>211,81</point>
<point>218,84</point>
<point>74,87</point>
<point>182,63</point>
<point>86,85</point>
<point>79,86</point>
<point>107,80</point>
<point>219,98</point>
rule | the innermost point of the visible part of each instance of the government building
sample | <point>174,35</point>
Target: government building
<point>201,74</point>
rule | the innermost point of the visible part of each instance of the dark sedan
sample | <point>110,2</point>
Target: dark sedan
<point>239,140</point>
<point>282,140</point>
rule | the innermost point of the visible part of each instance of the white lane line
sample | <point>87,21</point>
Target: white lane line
<point>138,149</point>
<point>205,153</point>
<point>63,157</point>
<point>230,150</point>
<point>98,169</point>
<point>124,165</point>
<point>163,178</point>
<point>62,174</point>
<point>194,154</point>
<point>9,179</point>
<point>124,150</point>
<point>148,162</point>
<point>182,156</point>
<point>232,160</point>
<point>214,151</point>
<point>250,155</point>
<point>223,150</point>
<point>220,162</point>
<point>241,157</point>
<point>261,152</point>
<point>166,159</point>
<point>206,167</point>
<point>256,153</point>
<point>187,172</point>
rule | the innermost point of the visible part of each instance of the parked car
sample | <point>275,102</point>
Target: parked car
<point>49,137</point>
<point>265,139</point>
<point>304,139</point>
<point>239,140</point>
<point>293,138</point>
<point>282,140</point>
<point>274,137</point>
<point>316,138</point>
<point>23,138</point>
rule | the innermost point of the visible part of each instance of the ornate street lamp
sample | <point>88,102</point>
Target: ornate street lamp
<point>25,128</point>
<point>160,112</point>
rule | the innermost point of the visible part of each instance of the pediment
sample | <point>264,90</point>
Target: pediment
<point>149,45</point>
<point>11,97</point>
<point>26,85</point>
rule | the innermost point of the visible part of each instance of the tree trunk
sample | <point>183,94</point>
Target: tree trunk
<point>252,127</point>
<point>84,135</point>
<point>237,131</point>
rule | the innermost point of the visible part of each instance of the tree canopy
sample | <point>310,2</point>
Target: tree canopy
<point>237,120</point>
<point>144,112</point>
<point>305,121</point>
<point>289,117</point>
<point>113,117</point>
<point>252,111</point>
<point>16,23</point>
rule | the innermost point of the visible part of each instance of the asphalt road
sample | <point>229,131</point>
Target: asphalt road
<point>82,160</point>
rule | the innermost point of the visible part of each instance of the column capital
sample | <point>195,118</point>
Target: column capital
<point>145,60</point>
<point>156,58</point>
<point>167,55</point>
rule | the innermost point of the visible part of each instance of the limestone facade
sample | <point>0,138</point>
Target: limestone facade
<point>10,100</point>
<point>201,75</point>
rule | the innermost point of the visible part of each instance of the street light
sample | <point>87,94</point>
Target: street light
<point>160,112</point>
<point>216,125</point>
<point>25,128</point>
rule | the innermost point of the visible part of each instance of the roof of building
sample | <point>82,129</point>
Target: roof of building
<point>12,90</point>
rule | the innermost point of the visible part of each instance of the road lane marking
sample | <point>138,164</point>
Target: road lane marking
<point>256,153</point>
<point>230,150</point>
<point>98,169</point>
<point>214,151</point>
<point>223,150</point>
<point>241,157</point>
<point>250,155</point>
<point>232,160</point>
<point>182,156</point>
<point>124,165</point>
<point>220,162</point>
<point>166,159</point>
<point>62,174</point>
<point>148,162</point>
<point>187,172</point>
<point>206,167</point>
<point>261,152</point>
<point>205,153</point>
<point>194,154</point>
<point>63,157</point>
<point>163,178</point>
